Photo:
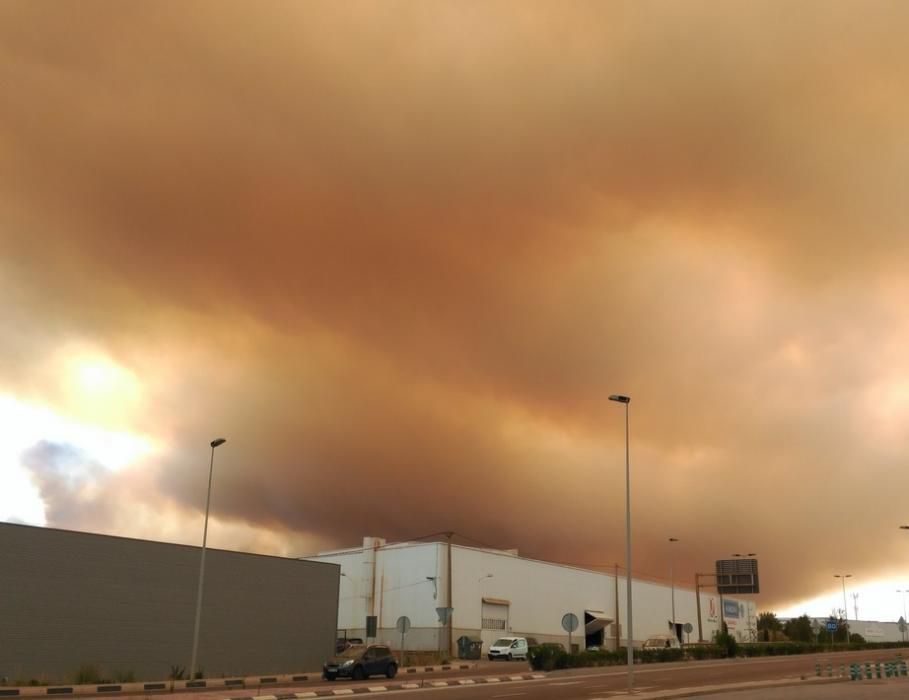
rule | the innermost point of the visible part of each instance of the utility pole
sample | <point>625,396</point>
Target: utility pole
<point>450,602</point>
<point>672,584</point>
<point>618,624</point>
<point>697,597</point>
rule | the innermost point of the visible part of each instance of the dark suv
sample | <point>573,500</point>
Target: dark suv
<point>359,662</point>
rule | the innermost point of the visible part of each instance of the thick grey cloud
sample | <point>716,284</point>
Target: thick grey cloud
<point>70,483</point>
<point>400,253</point>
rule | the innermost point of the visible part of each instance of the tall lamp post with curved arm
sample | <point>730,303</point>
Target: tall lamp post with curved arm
<point>217,442</point>
<point>627,400</point>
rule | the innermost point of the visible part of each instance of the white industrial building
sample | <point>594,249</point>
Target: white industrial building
<point>871,630</point>
<point>494,593</point>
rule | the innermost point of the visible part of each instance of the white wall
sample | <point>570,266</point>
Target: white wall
<point>872,631</point>
<point>539,594</point>
<point>389,581</point>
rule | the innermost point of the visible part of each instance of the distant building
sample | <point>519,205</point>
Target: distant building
<point>495,593</point>
<point>871,630</point>
<point>127,606</point>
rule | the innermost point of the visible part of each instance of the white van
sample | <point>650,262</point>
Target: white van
<point>508,648</point>
<point>661,641</point>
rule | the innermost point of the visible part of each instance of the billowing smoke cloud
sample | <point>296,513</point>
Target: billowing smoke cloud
<point>69,483</point>
<point>400,254</point>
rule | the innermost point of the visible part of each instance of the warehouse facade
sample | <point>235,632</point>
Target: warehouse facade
<point>497,593</point>
<point>127,607</point>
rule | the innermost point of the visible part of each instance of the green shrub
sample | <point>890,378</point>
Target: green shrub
<point>727,643</point>
<point>662,655</point>
<point>177,673</point>
<point>547,657</point>
<point>124,677</point>
<point>88,674</point>
<point>704,651</point>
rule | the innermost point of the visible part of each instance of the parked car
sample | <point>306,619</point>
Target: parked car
<point>661,641</point>
<point>508,648</point>
<point>359,662</point>
<point>344,642</point>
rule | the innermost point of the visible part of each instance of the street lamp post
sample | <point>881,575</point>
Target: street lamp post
<point>672,582</point>
<point>843,578</point>
<point>627,400</point>
<point>192,666</point>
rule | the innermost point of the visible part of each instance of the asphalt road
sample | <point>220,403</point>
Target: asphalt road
<point>591,683</point>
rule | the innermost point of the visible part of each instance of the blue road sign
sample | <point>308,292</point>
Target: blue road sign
<point>832,625</point>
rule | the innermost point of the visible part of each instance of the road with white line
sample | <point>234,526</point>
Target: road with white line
<point>514,680</point>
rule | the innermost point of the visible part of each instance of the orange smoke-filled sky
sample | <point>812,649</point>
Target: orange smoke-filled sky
<point>400,253</point>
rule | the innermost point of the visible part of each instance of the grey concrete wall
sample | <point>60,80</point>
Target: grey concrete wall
<point>125,605</point>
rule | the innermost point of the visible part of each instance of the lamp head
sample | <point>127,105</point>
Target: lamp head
<point>620,398</point>
<point>217,442</point>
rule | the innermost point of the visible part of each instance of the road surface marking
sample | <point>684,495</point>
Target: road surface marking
<point>509,695</point>
<point>566,683</point>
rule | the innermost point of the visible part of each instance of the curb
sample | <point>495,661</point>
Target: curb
<point>453,682</point>
<point>155,688</point>
<point>161,687</point>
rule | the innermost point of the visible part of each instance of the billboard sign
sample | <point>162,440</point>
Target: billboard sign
<point>873,631</point>
<point>737,576</point>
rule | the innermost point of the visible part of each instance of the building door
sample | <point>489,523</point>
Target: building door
<point>595,622</point>
<point>495,621</point>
